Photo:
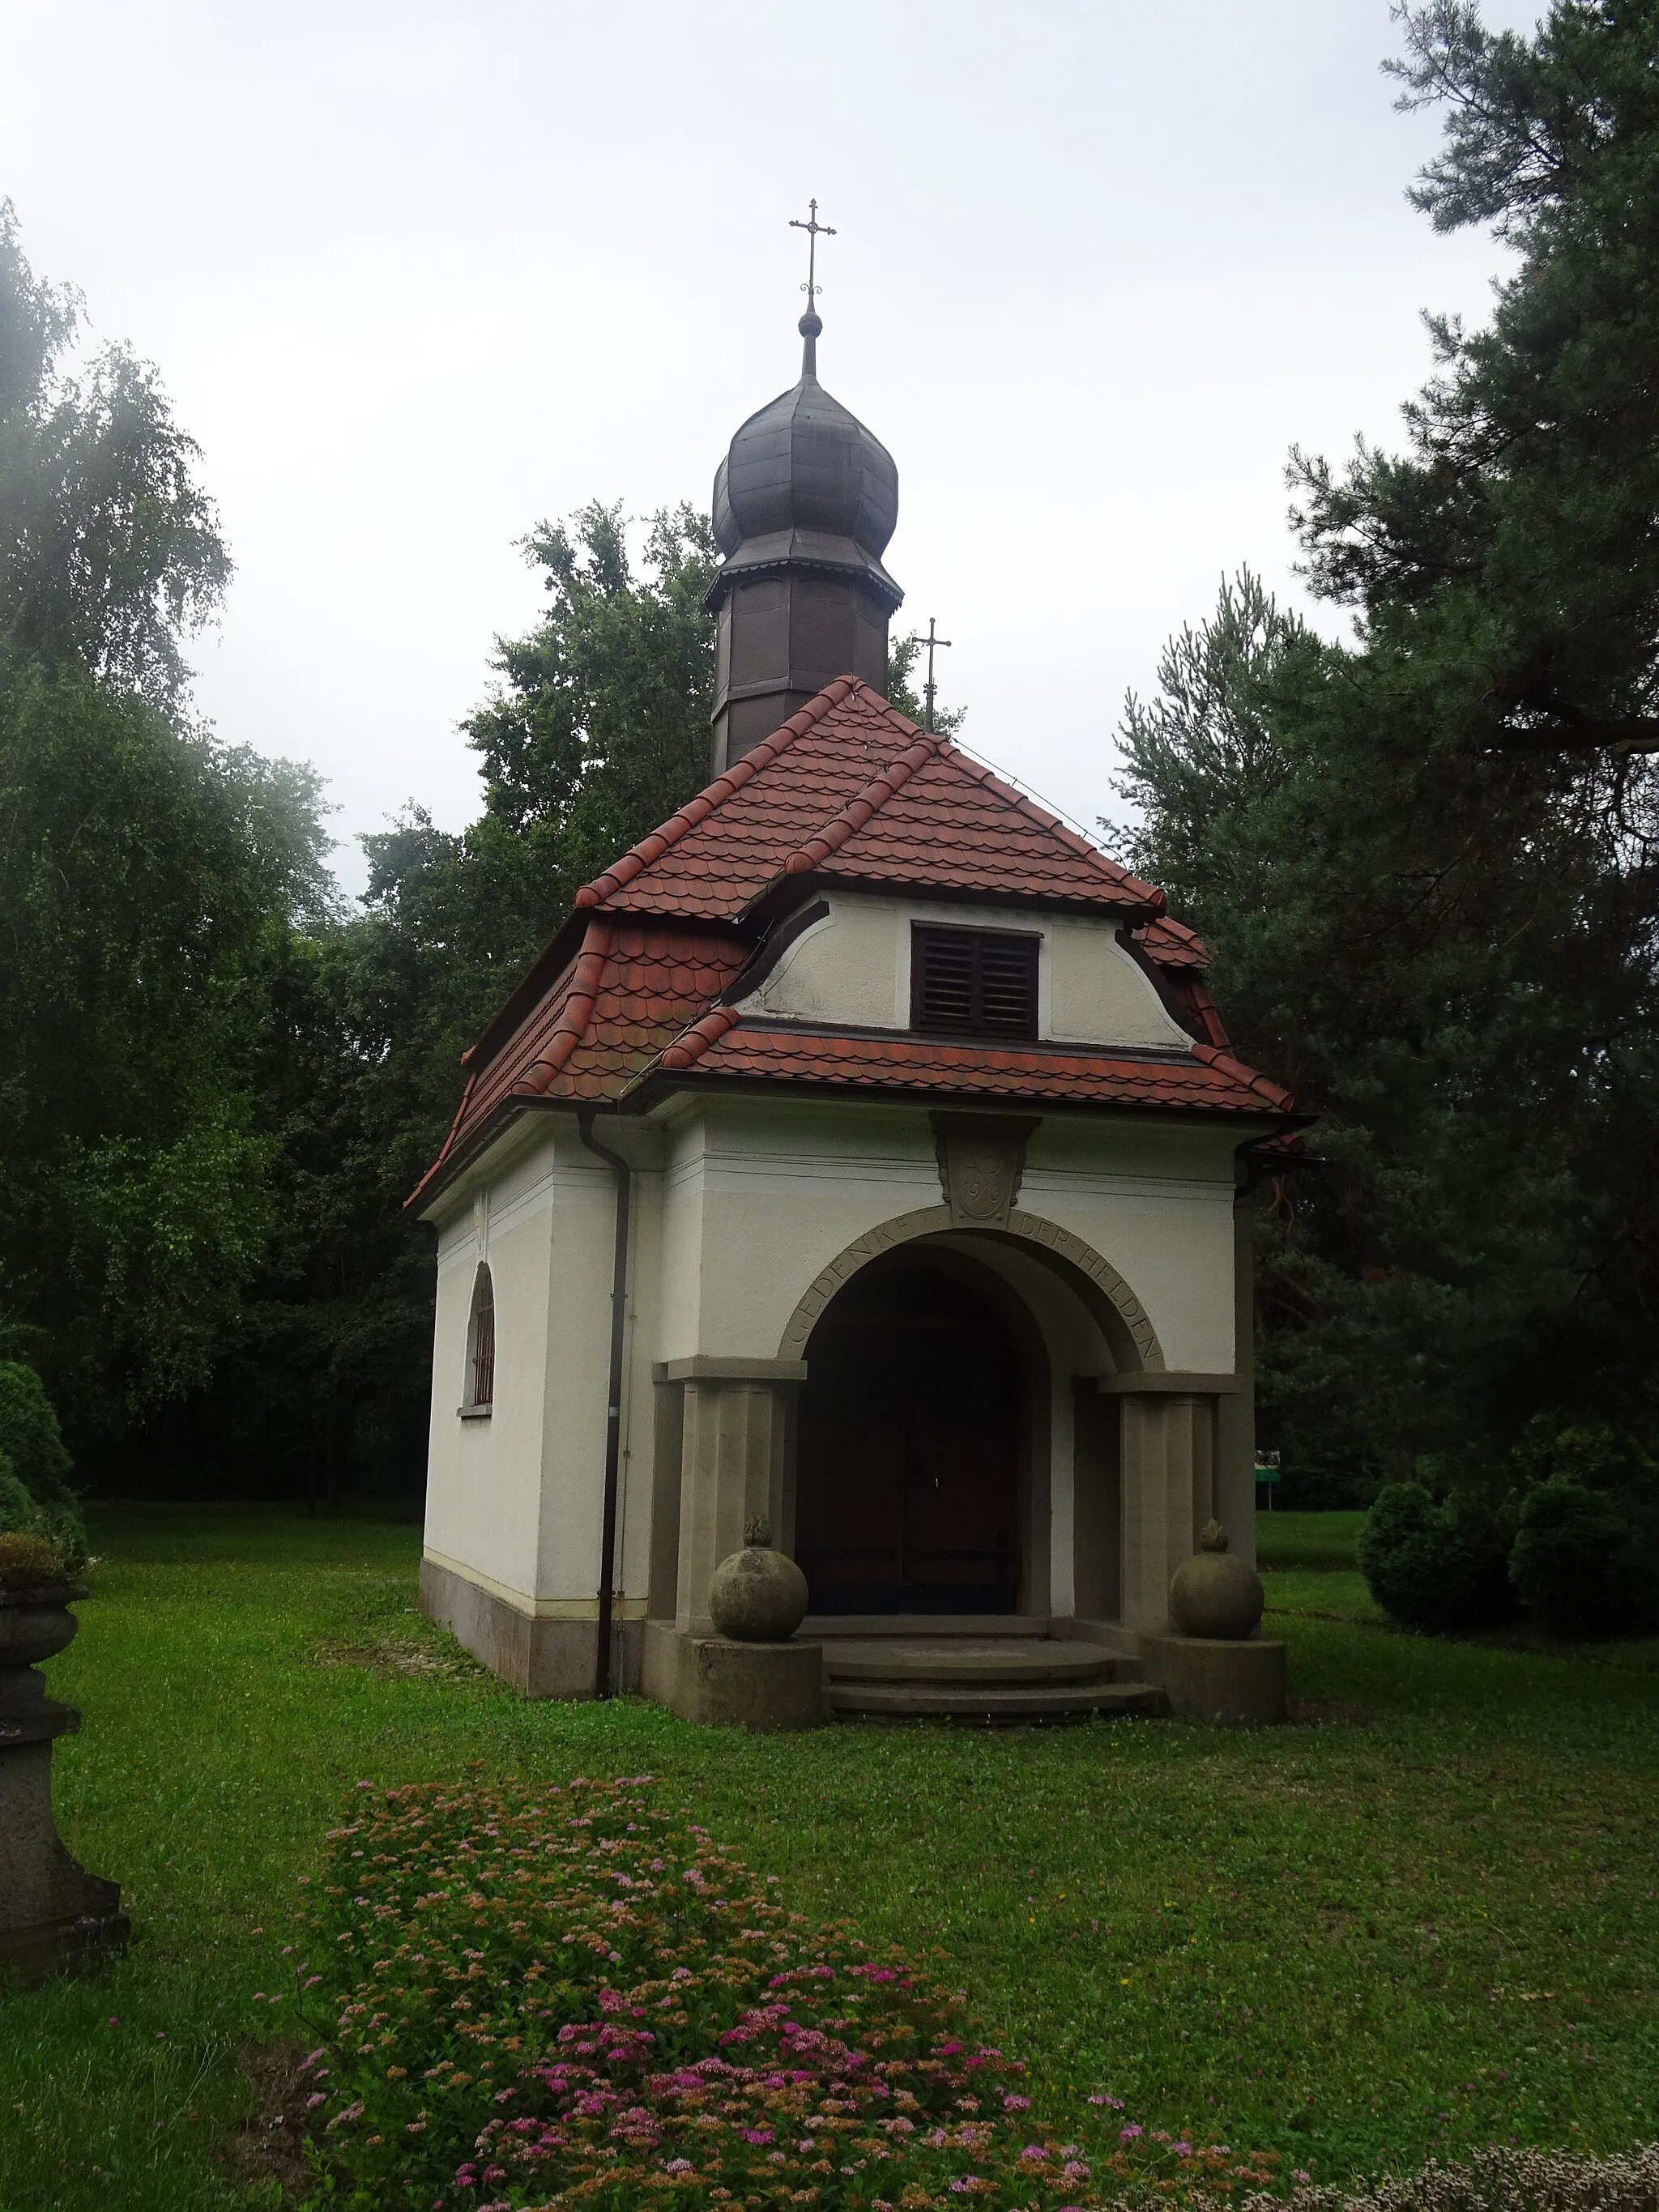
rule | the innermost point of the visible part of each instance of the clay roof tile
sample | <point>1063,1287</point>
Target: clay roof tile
<point>849,790</point>
<point>721,1044</point>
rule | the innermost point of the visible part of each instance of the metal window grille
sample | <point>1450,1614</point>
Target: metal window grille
<point>484,1345</point>
<point>974,982</point>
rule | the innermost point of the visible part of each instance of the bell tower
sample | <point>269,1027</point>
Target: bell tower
<point>806,501</point>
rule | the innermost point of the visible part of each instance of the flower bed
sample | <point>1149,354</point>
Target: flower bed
<point>570,1997</point>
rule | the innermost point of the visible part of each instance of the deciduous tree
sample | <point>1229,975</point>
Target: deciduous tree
<point>110,551</point>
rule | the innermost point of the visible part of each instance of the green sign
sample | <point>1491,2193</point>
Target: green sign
<point>1265,1474</point>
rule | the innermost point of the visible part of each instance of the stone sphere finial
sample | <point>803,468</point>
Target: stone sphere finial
<point>1214,1594</point>
<point>757,1595</point>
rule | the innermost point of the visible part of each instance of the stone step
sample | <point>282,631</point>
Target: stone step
<point>1006,1704</point>
<point>965,1662</point>
<point>887,1627</point>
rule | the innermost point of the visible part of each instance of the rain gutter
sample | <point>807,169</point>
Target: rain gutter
<point>619,1169</point>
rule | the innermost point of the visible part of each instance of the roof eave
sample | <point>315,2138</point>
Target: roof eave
<point>657,1083</point>
<point>484,1135</point>
<point>792,551</point>
<point>532,987</point>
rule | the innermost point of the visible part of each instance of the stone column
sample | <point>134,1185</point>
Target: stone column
<point>1168,1493</point>
<point>1174,1429</point>
<point>1180,1439</point>
<point>734,1439</point>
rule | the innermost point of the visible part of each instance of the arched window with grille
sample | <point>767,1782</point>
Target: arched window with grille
<point>478,1394</point>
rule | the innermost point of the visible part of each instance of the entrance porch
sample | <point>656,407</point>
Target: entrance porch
<point>988,1478</point>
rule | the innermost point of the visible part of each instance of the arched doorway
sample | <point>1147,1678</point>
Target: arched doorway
<point>909,1458</point>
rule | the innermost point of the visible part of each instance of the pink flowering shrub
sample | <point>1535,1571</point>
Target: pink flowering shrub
<point>782,2112</point>
<point>568,1998</point>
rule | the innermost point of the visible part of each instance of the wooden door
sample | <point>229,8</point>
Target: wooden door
<point>907,1469</point>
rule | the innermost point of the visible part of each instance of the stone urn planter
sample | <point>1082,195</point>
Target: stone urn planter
<point>53,1914</point>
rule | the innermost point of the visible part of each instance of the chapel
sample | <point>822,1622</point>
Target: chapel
<point>860,1167</point>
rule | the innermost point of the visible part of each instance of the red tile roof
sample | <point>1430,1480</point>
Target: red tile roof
<point>1204,1080</point>
<point>954,825</point>
<point>847,791</point>
<point>1172,944</point>
<point>632,988</point>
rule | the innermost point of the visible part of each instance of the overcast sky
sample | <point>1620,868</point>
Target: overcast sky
<point>417,276</point>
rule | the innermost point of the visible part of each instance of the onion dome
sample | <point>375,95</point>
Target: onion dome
<point>805,485</point>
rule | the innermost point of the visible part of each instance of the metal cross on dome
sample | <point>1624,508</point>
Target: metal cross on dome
<point>815,230</point>
<point>930,688</point>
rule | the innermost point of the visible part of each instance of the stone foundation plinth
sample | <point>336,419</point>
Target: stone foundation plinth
<point>544,1658</point>
<point>1218,1678</point>
<point>720,1683</point>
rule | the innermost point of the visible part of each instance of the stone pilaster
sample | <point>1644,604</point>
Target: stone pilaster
<point>1169,1460</point>
<point>1181,1449</point>
<point>733,1448</point>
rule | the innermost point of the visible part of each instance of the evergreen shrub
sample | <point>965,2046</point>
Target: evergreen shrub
<point>1437,1563</point>
<point>1592,1452</point>
<point>1577,1564</point>
<point>1584,1558</point>
<point>564,1997</point>
<point>35,1498</point>
<point>17,1508</point>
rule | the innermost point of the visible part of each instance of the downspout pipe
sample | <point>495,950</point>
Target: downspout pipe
<point>619,1169</point>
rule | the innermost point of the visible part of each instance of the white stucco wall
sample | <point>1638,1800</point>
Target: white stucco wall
<point>483,1500</point>
<point>854,967</point>
<point>1156,1198</point>
<point>739,1204</point>
<point>761,1196</point>
<point>758,1196</point>
<point>516,1501</point>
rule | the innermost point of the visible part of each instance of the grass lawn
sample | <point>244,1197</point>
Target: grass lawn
<point>1423,1916</point>
<point>1307,1539</point>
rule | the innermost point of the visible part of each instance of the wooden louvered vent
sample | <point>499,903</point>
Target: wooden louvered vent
<point>974,982</point>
